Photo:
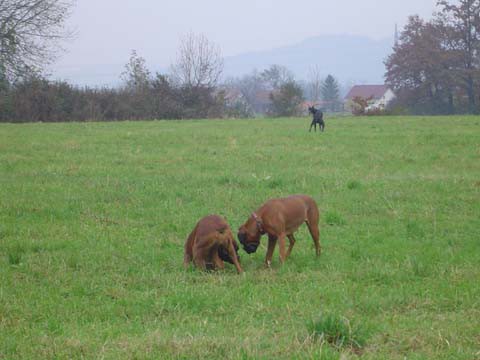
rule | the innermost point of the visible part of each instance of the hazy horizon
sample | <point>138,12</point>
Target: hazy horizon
<point>107,32</point>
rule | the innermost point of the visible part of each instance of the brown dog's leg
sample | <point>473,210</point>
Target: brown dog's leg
<point>281,247</point>
<point>290,247</point>
<point>186,260</point>
<point>233,255</point>
<point>272,240</point>
<point>200,256</point>
<point>201,264</point>
<point>217,262</point>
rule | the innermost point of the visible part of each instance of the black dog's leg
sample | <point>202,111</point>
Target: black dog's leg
<point>310,127</point>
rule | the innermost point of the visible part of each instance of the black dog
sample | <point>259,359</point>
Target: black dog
<point>317,119</point>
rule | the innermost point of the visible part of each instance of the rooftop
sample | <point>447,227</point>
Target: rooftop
<point>367,91</point>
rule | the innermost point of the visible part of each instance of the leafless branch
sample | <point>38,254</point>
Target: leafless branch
<point>199,62</point>
<point>315,83</point>
<point>30,34</point>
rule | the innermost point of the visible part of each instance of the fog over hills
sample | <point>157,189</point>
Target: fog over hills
<point>351,59</point>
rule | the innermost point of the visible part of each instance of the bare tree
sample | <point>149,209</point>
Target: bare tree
<point>136,75</point>
<point>249,86</point>
<point>199,62</point>
<point>275,76</point>
<point>315,82</point>
<point>30,34</point>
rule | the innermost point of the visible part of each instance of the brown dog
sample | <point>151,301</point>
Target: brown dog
<point>210,243</point>
<point>280,218</point>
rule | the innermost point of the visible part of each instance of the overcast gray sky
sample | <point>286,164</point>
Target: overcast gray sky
<point>107,30</point>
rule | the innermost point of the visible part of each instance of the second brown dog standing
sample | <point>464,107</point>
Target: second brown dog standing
<point>210,243</point>
<point>279,219</point>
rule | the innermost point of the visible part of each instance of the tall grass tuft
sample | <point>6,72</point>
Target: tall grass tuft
<point>15,256</point>
<point>333,218</point>
<point>337,331</point>
<point>354,184</point>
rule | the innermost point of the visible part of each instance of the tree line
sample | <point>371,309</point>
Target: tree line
<point>188,91</point>
<point>435,66</point>
<point>275,92</point>
<point>180,94</point>
<point>434,69</point>
<point>141,96</point>
<point>30,35</point>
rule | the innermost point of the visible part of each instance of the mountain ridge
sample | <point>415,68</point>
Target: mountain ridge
<point>350,58</point>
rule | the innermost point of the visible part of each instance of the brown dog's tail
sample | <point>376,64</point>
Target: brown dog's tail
<point>313,213</point>
<point>313,216</point>
<point>188,257</point>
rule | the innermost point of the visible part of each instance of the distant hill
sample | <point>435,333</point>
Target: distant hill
<point>349,58</point>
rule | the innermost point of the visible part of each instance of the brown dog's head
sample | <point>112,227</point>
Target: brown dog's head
<point>224,254</point>
<point>249,236</point>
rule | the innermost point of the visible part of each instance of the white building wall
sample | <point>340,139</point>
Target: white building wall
<point>383,102</point>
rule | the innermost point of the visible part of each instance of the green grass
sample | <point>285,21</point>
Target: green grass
<point>93,218</point>
<point>337,331</point>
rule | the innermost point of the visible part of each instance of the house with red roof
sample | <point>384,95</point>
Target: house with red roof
<point>378,96</point>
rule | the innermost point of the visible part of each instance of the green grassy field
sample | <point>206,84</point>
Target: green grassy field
<point>93,218</point>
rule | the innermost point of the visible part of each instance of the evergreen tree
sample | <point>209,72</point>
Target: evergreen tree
<point>330,93</point>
